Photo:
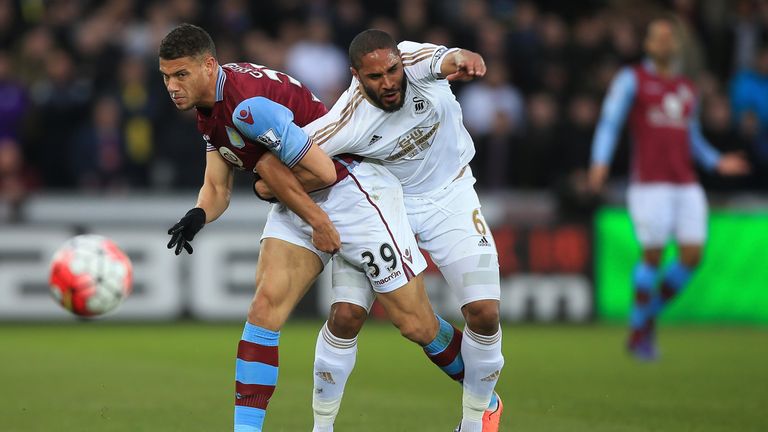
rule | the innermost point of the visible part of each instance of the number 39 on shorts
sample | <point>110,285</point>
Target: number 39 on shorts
<point>477,219</point>
<point>371,264</point>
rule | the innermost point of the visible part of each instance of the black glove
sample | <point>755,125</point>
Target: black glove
<point>185,229</point>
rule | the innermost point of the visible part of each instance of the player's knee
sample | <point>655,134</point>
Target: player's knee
<point>416,331</point>
<point>346,320</point>
<point>482,316</point>
<point>652,257</point>
<point>690,258</point>
<point>265,310</point>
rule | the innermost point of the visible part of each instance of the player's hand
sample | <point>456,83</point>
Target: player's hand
<point>469,65</point>
<point>185,229</point>
<point>326,238</point>
<point>596,178</point>
<point>263,191</point>
<point>733,164</point>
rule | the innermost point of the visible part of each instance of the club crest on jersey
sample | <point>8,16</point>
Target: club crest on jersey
<point>234,138</point>
<point>420,105</point>
<point>231,157</point>
<point>270,140</point>
<point>417,140</point>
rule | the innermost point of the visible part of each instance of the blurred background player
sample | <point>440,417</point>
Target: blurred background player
<point>665,199</point>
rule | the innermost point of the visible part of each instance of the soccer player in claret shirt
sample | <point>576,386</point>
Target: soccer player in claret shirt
<point>665,199</point>
<point>399,110</point>
<point>249,116</point>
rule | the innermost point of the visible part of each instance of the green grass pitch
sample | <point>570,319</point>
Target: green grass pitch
<point>179,377</point>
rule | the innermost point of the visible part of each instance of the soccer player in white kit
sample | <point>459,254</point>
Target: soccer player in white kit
<point>399,111</point>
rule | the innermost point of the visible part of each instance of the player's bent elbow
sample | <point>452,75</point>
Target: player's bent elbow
<point>328,173</point>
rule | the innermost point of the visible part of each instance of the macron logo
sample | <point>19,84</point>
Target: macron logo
<point>407,255</point>
<point>245,116</point>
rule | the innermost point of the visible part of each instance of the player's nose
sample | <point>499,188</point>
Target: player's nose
<point>171,86</point>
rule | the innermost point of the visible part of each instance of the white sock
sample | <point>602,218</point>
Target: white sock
<point>334,361</point>
<point>482,365</point>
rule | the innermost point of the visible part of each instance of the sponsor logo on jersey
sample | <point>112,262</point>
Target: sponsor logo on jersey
<point>407,255</point>
<point>234,138</point>
<point>374,139</point>
<point>245,116</point>
<point>414,142</point>
<point>270,140</point>
<point>389,278</point>
<point>674,110</point>
<point>483,242</point>
<point>230,157</point>
<point>420,105</point>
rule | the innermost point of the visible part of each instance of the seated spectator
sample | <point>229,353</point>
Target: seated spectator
<point>749,90</point>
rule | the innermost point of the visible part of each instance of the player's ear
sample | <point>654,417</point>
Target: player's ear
<point>354,72</point>
<point>210,65</point>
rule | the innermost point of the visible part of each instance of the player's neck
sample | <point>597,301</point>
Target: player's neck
<point>209,99</point>
<point>665,69</point>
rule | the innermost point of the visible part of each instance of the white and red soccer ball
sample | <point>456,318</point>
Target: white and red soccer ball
<point>90,275</point>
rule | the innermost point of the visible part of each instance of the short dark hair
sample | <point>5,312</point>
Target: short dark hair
<point>369,41</point>
<point>186,40</point>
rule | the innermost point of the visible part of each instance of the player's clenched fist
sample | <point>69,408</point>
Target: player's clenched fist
<point>325,237</point>
<point>468,66</point>
<point>185,229</point>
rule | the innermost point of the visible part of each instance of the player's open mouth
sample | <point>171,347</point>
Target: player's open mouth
<point>390,97</point>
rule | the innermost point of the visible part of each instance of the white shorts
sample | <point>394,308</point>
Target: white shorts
<point>450,227</point>
<point>367,210</point>
<point>664,211</point>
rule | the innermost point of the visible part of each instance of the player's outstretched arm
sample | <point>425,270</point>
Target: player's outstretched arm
<point>462,65</point>
<point>212,201</point>
<point>727,164</point>
<point>286,188</point>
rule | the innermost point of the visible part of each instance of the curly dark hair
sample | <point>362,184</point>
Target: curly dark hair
<point>186,40</point>
<point>369,41</point>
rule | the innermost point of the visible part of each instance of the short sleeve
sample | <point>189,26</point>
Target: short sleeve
<point>271,124</point>
<point>335,132</point>
<point>423,61</point>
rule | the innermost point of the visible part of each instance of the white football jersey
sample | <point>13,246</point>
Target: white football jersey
<point>424,143</point>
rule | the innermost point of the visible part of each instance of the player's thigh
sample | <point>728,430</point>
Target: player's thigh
<point>474,278</point>
<point>690,215</point>
<point>349,284</point>
<point>409,310</point>
<point>375,233</point>
<point>461,244</point>
<point>287,266</point>
<point>652,210</point>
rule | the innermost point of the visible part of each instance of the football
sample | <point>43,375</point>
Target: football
<point>90,275</point>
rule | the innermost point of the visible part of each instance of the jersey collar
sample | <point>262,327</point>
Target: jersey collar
<point>221,78</point>
<point>651,68</point>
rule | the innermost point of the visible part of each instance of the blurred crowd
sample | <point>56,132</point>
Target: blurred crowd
<point>82,106</point>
